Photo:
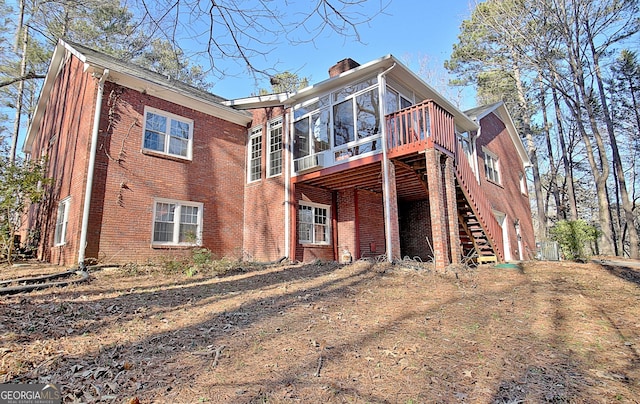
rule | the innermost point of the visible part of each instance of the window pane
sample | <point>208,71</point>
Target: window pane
<point>188,233</point>
<point>178,147</point>
<point>391,101</point>
<point>163,232</point>
<point>189,215</point>
<point>255,162</point>
<point>180,129</point>
<point>153,141</point>
<point>304,232</point>
<point>320,127</point>
<point>343,123</point>
<point>301,138</point>
<point>164,212</point>
<point>367,110</point>
<point>347,91</point>
<point>156,123</point>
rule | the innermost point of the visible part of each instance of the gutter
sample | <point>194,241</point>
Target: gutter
<point>385,167</point>
<point>90,169</point>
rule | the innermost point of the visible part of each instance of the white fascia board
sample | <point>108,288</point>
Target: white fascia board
<point>258,101</point>
<point>180,98</point>
<point>57,61</point>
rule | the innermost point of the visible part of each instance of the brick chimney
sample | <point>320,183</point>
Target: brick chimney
<point>342,66</point>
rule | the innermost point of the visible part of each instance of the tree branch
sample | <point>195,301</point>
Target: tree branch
<point>28,76</point>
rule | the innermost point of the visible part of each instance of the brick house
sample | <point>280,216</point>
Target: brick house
<point>371,161</point>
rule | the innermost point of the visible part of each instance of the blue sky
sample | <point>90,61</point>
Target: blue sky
<point>409,30</point>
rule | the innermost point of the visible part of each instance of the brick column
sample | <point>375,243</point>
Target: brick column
<point>449,179</point>
<point>437,207</point>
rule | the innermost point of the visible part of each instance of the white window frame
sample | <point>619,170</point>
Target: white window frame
<point>326,226</point>
<point>492,167</point>
<point>523,185</point>
<point>62,219</point>
<point>276,130</point>
<point>167,135</point>
<point>179,205</point>
<point>254,158</point>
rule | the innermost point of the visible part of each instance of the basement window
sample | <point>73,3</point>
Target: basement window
<point>313,224</point>
<point>168,134</point>
<point>60,235</point>
<point>177,223</point>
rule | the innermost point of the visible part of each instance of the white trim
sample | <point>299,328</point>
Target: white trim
<point>169,117</point>
<point>176,222</point>
<point>503,221</point>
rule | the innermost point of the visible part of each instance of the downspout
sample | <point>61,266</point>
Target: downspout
<point>385,166</point>
<point>90,168</point>
<point>287,186</point>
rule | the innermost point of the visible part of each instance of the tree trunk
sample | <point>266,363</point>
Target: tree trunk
<point>553,170</point>
<point>23,70</point>
<point>533,156</point>
<point>627,206</point>
<point>568,170</point>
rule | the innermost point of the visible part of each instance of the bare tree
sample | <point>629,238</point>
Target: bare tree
<point>246,31</point>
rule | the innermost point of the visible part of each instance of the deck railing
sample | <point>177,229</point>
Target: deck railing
<point>418,127</point>
<point>478,200</point>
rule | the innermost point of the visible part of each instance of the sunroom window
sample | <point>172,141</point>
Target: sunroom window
<point>311,134</point>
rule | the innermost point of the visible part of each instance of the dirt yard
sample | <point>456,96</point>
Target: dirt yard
<point>324,333</point>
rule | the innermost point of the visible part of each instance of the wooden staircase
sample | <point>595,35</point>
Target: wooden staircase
<point>480,233</point>
<point>474,240</point>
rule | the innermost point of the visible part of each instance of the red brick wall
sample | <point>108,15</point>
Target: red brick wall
<point>506,197</point>
<point>347,222</point>
<point>415,224</point>
<point>64,137</point>
<point>264,210</point>
<point>127,180</point>
<point>371,224</point>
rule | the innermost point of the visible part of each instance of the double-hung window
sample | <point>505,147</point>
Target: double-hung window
<point>313,224</point>
<point>255,154</point>
<point>62,218</point>
<point>491,166</point>
<point>275,147</point>
<point>167,133</point>
<point>177,222</point>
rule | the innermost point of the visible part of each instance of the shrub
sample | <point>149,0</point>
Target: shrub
<point>572,236</point>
